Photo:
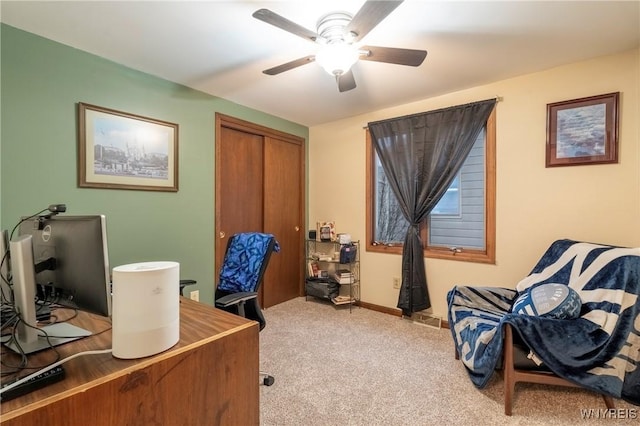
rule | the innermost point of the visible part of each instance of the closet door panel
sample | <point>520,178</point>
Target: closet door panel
<point>283,201</point>
<point>239,193</point>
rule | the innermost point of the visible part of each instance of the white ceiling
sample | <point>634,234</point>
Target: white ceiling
<point>219,48</point>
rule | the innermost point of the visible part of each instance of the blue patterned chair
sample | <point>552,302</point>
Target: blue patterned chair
<point>594,346</point>
<point>241,274</point>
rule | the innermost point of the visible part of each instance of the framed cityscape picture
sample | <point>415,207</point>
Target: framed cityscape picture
<point>583,131</point>
<point>118,150</point>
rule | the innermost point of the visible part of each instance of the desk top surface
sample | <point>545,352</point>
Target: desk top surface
<point>199,324</point>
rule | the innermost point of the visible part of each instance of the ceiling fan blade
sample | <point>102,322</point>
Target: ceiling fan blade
<point>370,14</point>
<point>393,55</point>
<point>290,65</point>
<point>276,20</point>
<point>346,81</point>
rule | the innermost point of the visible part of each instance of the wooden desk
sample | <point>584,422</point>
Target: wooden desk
<point>210,377</point>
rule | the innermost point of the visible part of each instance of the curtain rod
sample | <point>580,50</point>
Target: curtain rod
<point>497,98</point>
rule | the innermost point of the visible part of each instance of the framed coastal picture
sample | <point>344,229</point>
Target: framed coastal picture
<point>583,131</point>
<point>119,150</point>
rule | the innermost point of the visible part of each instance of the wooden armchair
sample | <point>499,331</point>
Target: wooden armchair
<point>516,369</point>
<point>587,338</point>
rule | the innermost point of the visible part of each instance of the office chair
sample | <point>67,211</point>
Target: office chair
<point>245,261</point>
<point>184,283</point>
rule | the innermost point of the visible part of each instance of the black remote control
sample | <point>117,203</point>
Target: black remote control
<point>41,380</point>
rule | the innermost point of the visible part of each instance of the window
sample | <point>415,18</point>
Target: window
<point>449,204</point>
<point>460,227</point>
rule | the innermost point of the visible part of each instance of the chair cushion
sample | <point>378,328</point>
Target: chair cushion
<point>243,262</point>
<point>549,300</point>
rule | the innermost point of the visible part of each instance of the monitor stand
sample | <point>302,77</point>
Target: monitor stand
<point>28,338</point>
<point>59,334</point>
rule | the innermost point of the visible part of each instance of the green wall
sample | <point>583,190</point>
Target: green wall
<point>41,83</point>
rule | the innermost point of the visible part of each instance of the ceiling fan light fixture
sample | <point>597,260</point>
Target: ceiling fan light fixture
<point>333,27</point>
<point>338,33</point>
<point>337,58</point>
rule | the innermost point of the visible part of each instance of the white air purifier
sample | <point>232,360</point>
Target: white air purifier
<point>145,308</point>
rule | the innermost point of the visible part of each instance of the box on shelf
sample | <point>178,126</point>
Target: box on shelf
<point>344,238</point>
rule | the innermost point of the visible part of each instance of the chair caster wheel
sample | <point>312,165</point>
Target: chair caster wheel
<point>268,380</point>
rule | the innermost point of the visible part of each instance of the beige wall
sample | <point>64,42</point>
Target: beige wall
<point>535,205</point>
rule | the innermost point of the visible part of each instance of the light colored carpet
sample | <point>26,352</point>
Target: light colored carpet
<point>335,367</point>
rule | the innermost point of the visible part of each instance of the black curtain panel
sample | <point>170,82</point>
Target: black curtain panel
<point>421,155</point>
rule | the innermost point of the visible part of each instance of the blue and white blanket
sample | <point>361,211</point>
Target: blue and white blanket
<point>599,351</point>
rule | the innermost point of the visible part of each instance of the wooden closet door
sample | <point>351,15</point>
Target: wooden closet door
<point>239,171</point>
<point>260,187</point>
<point>283,192</point>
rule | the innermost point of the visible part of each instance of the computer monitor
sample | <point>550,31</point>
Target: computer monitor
<point>64,259</point>
<point>80,278</point>
<point>5,295</point>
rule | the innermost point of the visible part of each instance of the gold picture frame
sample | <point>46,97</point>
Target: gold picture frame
<point>119,150</point>
<point>583,131</point>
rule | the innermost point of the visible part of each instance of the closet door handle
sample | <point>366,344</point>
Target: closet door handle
<point>222,234</point>
<point>297,228</point>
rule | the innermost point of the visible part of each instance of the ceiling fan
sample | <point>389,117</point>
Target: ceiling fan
<point>339,34</point>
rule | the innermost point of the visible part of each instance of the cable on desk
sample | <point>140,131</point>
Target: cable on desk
<point>23,363</point>
<point>50,366</point>
<point>14,331</point>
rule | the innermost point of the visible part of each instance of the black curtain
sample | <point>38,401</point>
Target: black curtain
<point>421,155</point>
